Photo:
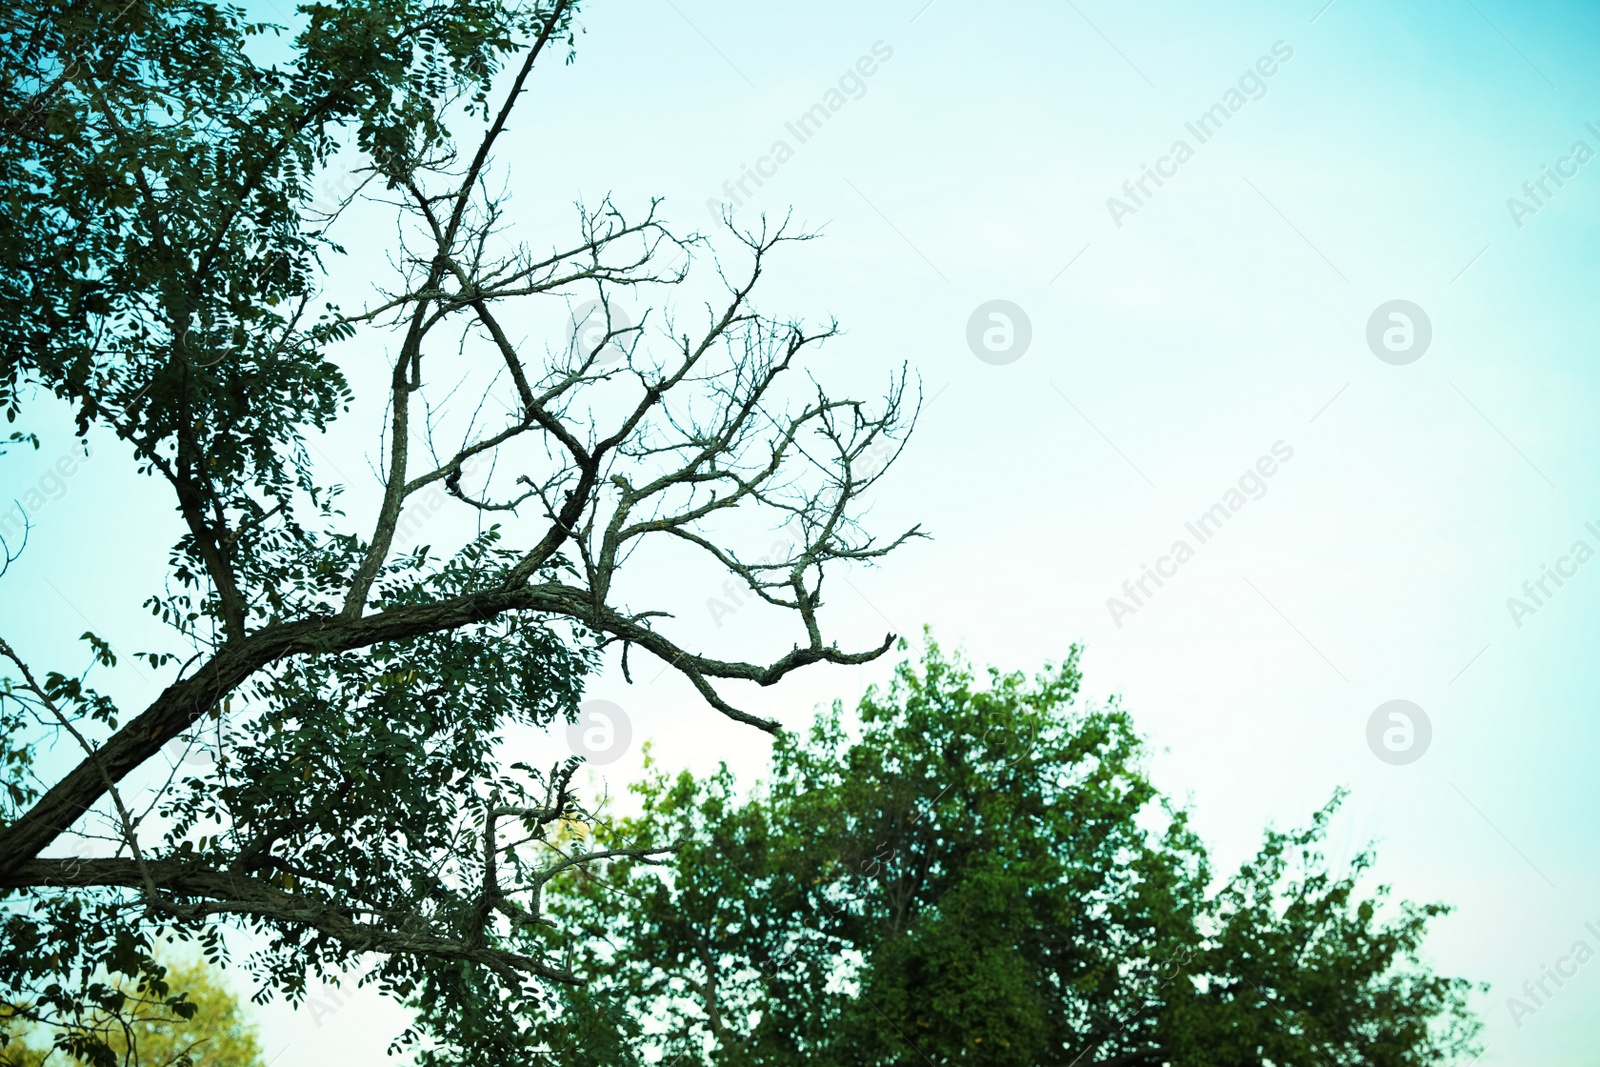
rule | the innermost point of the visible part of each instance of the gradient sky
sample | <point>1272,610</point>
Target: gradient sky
<point>1228,313</point>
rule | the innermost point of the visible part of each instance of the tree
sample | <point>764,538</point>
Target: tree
<point>983,874</point>
<point>184,1019</point>
<point>165,255</point>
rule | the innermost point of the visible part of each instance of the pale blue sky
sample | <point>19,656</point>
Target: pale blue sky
<point>1228,313</point>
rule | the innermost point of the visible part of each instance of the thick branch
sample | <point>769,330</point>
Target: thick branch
<point>200,891</point>
<point>182,702</point>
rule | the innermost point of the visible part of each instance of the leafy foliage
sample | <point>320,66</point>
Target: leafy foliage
<point>324,761</point>
<point>983,874</point>
<point>180,1017</point>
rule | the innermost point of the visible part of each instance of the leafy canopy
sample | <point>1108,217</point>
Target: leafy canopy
<point>185,1017</point>
<point>323,762</point>
<point>983,873</point>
